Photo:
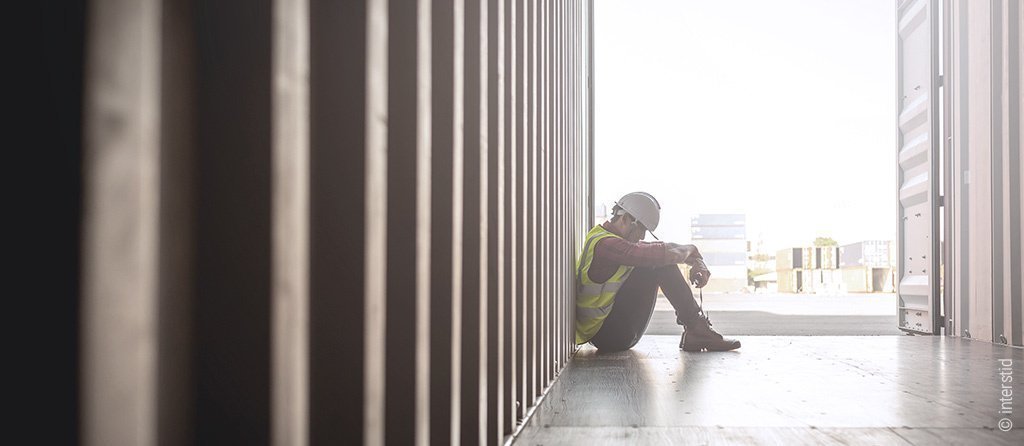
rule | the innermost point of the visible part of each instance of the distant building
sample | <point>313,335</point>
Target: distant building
<point>767,282</point>
<point>761,269</point>
<point>863,267</point>
<point>808,270</point>
<point>722,240</point>
<point>600,213</point>
<point>867,266</point>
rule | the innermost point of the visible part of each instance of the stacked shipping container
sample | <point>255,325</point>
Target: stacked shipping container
<point>808,270</point>
<point>867,266</point>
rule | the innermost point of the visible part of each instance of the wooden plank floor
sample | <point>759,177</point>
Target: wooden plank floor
<point>784,390</point>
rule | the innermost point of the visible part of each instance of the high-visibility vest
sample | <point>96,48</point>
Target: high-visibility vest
<point>594,300</point>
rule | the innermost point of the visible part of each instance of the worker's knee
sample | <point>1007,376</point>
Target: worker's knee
<point>669,272</point>
<point>668,269</point>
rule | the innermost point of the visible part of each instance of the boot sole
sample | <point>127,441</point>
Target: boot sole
<point>700,348</point>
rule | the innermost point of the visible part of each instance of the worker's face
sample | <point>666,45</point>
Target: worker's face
<point>636,232</point>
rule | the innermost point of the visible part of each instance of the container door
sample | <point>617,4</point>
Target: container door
<point>918,172</point>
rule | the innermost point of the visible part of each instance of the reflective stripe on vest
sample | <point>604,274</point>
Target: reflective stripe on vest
<point>594,300</point>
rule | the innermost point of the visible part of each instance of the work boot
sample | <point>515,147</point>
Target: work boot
<point>699,336</point>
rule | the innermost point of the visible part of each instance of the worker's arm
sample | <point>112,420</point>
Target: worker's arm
<point>687,254</point>
<point>613,251</point>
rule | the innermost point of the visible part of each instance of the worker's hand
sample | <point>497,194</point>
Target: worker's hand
<point>682,253</point>
<point>699,274</point>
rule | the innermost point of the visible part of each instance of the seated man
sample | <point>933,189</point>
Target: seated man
<point>618,276</point>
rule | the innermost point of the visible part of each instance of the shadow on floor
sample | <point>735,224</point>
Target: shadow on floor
<point>738,323</point>
<point>808,390</point>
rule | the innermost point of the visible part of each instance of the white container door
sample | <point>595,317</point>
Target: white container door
<point>918,160</point>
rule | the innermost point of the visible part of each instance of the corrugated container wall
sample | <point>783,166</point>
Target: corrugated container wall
<point>985,78</point>
<point>789,258</point>
<point>330,222</point>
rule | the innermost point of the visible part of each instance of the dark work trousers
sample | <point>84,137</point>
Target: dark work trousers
<point>634,306</point>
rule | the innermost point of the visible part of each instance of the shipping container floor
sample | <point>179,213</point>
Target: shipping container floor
<point>785,390</point>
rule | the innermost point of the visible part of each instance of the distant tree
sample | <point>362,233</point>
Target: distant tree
<point>760,257</point>
<point>824,242</point>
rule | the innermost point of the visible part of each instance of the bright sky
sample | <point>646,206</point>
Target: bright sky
<point>782,109</point>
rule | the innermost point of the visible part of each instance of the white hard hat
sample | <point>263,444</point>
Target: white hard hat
<point>643,207</point>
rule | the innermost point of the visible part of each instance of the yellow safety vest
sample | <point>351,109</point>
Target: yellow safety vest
<point>594,300</point>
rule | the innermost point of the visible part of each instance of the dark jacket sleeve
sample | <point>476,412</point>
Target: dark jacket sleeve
<point>613,251</point>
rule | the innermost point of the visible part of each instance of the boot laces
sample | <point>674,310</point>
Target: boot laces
<point>700,307</point>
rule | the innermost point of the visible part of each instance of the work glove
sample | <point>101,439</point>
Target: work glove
<point>699,273</point>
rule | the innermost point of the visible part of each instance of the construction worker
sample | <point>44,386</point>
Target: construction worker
<point>618,276</point>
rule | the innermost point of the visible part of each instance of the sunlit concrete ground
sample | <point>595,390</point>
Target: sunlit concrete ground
<point>785,390</point>
<point>789,314</point>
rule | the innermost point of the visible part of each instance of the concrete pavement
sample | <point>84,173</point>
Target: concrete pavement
<point>789,315</point>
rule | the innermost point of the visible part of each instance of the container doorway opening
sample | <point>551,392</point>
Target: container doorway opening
<point>766,130</point>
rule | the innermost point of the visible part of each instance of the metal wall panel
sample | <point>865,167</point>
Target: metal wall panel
<point>290,225</point>
<point>442,136</point>
<point>494,411</point>
<point>402,224</point>
<point>337,182</point>
<point>529,315</point>
<point>375,221</point>
<point>49,245</point>
<point>917,159</point>
<point>1017,251</point>
<point>521,178</point>
<point>473,224</point>
<point>510,369</point>
<point>120,253</point>
<point>985,80</point>
<point>1008,325</point>
<point>371,240</point>
<point>233,236</point>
